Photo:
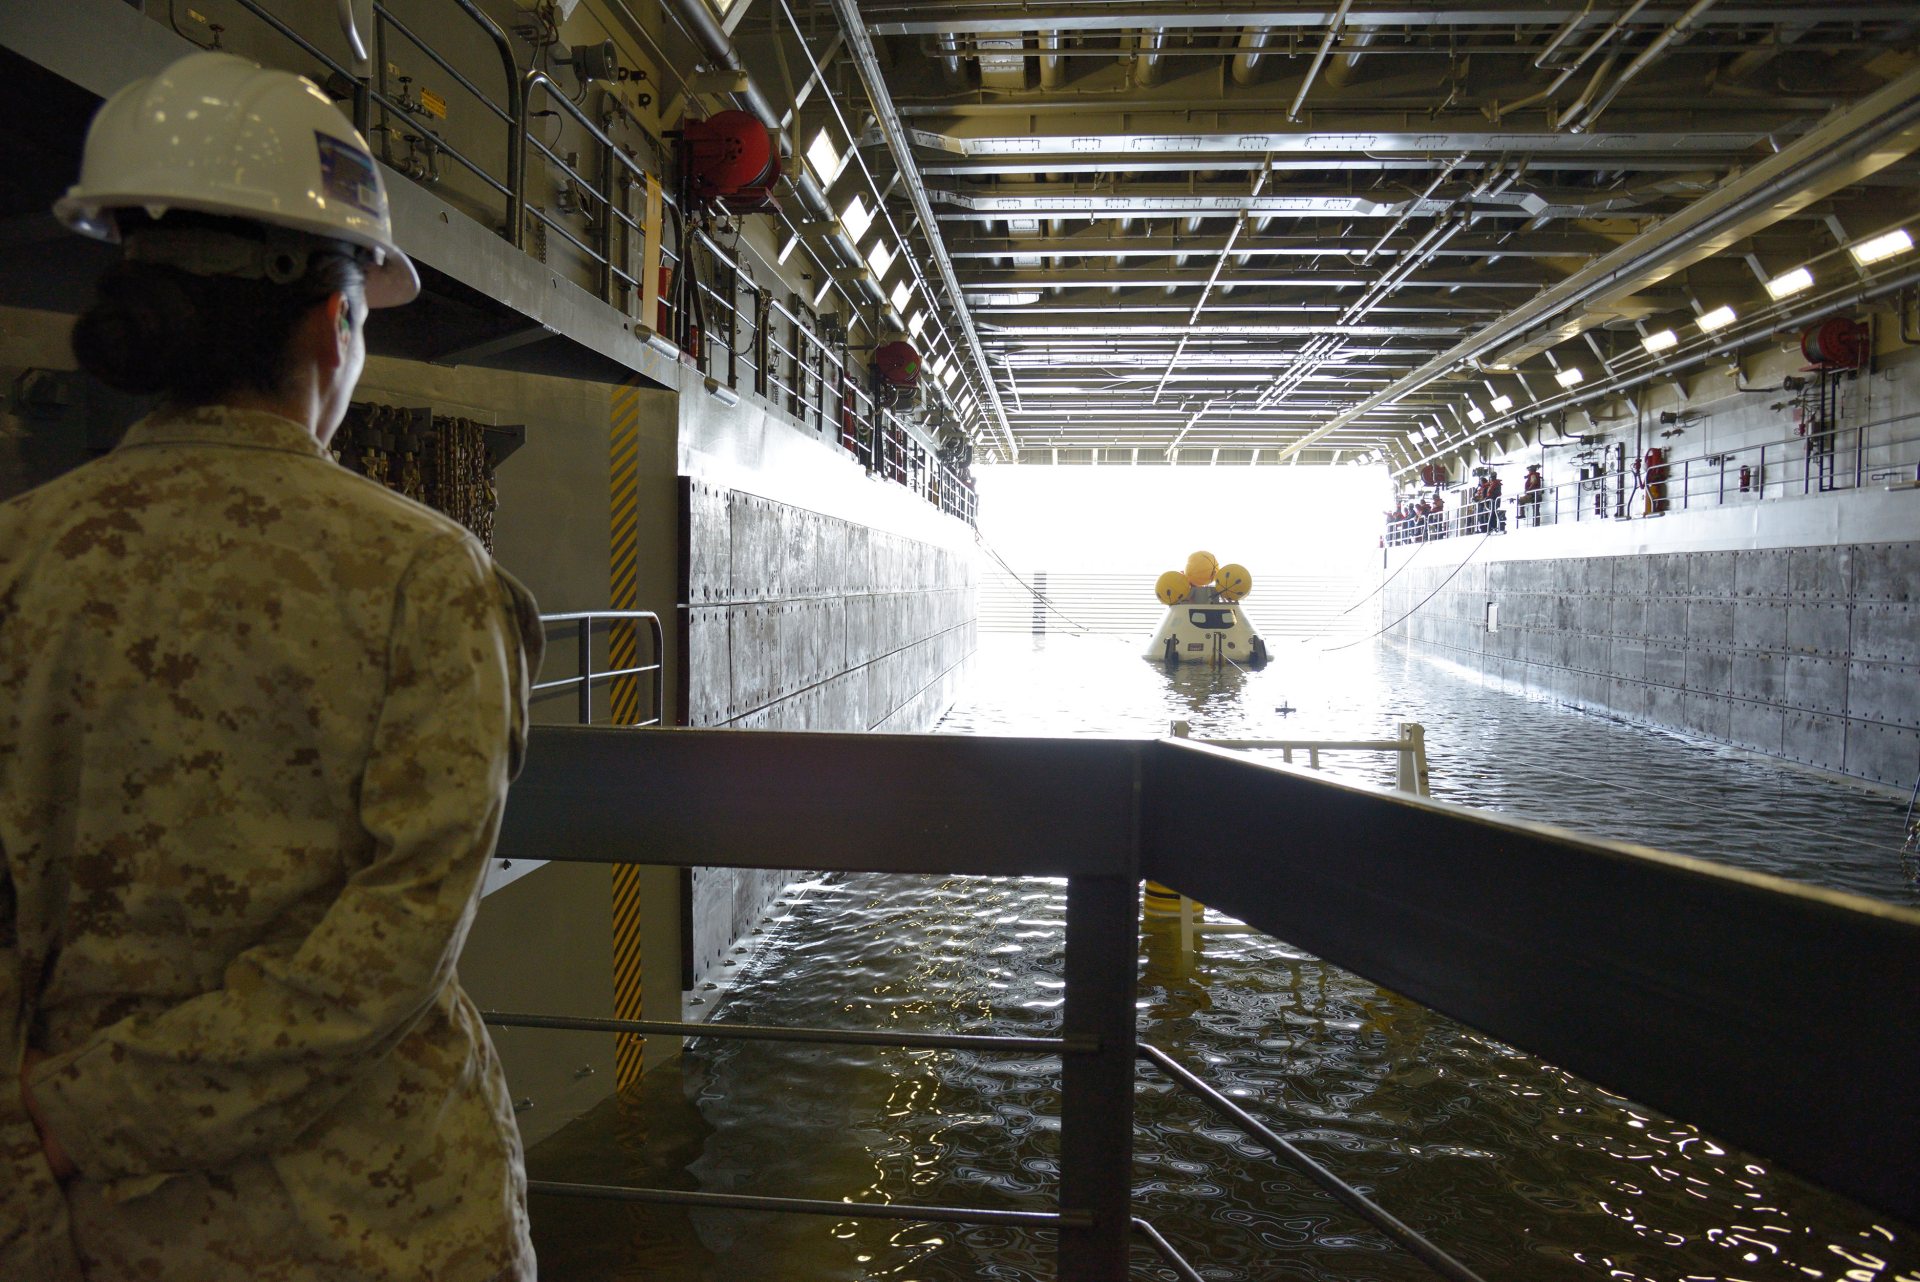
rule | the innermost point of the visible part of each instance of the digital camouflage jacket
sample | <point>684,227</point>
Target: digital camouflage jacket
<point>257,719</point>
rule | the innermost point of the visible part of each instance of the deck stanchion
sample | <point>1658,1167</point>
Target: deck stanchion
<point>1096,1088</point>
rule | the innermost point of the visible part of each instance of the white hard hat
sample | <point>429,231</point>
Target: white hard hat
<point>217,134</point>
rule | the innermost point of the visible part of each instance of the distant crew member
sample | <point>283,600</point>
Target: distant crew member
<point>1532,490</point>
<point>257,719</point>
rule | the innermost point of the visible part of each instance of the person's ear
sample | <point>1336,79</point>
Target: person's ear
<point>338,327</point>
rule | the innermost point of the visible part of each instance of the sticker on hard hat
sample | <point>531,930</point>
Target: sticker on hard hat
<point>348,175</point>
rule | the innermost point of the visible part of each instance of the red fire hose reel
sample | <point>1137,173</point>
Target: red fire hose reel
<point>898,363</point>
<point>1837,343</point>
<point>731,158</point>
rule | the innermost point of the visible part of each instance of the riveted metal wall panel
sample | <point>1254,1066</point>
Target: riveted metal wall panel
<point>1818,627</point>
<point>1759,675</point>
<point>1709,671</point>
<point>1763,573</point>
<point>1882,752</point>
<point>1757,725</point>
<point>1816,739</point>
<point>1887,631</point>
<point>1883,692</point>
<point>1821,573</point>
<point>1886,572</point>
<point>1817,684</point>
<point>1710,715</point>
<point>1710,621</point>
<point>1760,624</point>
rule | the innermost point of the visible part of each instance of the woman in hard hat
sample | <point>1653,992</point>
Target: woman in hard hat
<point>257,719</point>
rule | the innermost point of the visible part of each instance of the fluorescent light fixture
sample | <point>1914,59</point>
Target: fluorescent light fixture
<point>916,323</point>
<point>821,292</point>
<point>1659,341</point>
<point>855,216</point>
<point>722,393</point>
<point>938,365</point>
<point>902,295</point>
<point>1571,376</point>
<point>786,250</point>
<point>879,259</point>
<point>1475,414</point>
<point>1502,403</point>
<point>1719,318</point>
<point>658,342</point>
<point>1787,284</point>
<point>823,157</point>
<point>1428,433</point>
<point>947,376</point>
<point>1872,251</point>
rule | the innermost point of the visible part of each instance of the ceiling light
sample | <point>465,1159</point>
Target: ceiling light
<point>1571,376</point>
<point>1872,251</point>
<point>1502,403</point>
<point>821,293</point>
<point>1719,318</point>
<point>916,323</point>
<point>1659,341</point>
<point>823,157</point>
<point>879,259</point>
<point>1787,284</point>
<point>947,376</point>
<point>1475,414</point>
<point>855,216</point>
<point>1428,433</point>
<point>786,250</point>
<point>902,295</point>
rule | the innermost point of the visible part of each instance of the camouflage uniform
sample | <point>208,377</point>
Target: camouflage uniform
<point>257,719</point>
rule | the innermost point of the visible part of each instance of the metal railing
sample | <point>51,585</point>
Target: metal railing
<point>1677,1007</point>
<point>1409,747</point>
<point>772,347</point>
<point>585,678</point>
<point>1868,455</point>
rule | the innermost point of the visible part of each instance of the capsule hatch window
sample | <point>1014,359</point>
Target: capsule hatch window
<point>1210,618</point>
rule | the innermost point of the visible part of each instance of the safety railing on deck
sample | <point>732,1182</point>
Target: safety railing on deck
<point>759,343</point>
<point>1635,969</point>
<point>1409,748</point>
<point>1870,455</point>
<point>623,629</point>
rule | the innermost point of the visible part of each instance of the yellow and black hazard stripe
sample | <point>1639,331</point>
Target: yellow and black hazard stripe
<point>623,649</point>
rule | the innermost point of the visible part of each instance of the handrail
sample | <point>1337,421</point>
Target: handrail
<point>586,678</point>
<point>842,408</point>
<point>1648,940</point>
<point>1344,1193</point>
<point>1817,452</point>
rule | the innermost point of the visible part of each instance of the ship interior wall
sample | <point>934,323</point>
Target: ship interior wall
<point>1780,620</point>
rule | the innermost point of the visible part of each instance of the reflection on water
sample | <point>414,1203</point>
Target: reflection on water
<point>1520,1170</point>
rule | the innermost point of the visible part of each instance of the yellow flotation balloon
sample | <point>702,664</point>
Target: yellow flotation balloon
<point>1172,588</point>
<point>1233,581</point>
<point>1200,568</point>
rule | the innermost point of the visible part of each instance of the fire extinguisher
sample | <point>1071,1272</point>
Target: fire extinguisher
<point>1656,479</point>
<point>1749,478</point>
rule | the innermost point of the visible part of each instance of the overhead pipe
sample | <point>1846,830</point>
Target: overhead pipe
<point>952,65</point>
<point>1219,264</point>
<point>1147,58</point>
<point>1578,105</point>
<point>1053,67</point>
<point>1326,46</point>
<point>698,21</point>
<point>860,43</point>
<point>1246,64</point>
<point>1340,74</point>
<point>1749,335</point>
<point>1566,74</point>
<point>1563,35</point>
<point>1874,132</point>
<point>1647,58</point>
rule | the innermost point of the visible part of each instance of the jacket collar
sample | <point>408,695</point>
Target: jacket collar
<point>223,425</point>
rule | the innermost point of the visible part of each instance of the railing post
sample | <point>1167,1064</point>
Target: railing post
<point>1096,1088</point>
<point>586,670</point>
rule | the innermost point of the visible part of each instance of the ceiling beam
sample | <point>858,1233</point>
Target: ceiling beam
<point>914,18</point>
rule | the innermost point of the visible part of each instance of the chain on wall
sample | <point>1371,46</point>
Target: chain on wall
<point>446,463</point>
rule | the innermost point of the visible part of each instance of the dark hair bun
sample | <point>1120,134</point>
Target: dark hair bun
<point>142,330</point>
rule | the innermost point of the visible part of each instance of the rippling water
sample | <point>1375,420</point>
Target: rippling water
<point>1513,1166</point>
